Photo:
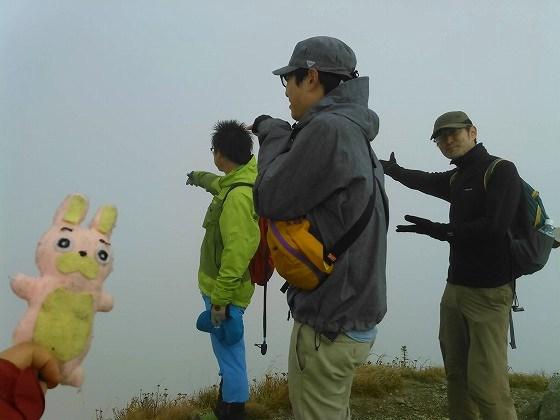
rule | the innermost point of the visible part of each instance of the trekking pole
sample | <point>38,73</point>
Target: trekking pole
<point>263,346</point>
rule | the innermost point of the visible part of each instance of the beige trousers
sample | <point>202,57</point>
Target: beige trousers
<point>473,338</point>
<point>320,380</point>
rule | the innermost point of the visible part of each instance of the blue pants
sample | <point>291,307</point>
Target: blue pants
<point>231,360</point>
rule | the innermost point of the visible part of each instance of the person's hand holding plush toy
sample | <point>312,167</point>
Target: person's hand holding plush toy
<point>26,371</point>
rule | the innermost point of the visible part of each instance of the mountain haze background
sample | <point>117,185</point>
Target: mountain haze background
<point>117,100</point>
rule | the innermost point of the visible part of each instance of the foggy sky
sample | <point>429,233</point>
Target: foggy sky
<point>117,100</point>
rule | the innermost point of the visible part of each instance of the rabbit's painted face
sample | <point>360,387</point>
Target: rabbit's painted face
<point>75,251</point>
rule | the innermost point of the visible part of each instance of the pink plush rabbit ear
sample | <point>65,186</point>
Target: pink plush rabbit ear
<point>105,220</point>
<point>72,210</point>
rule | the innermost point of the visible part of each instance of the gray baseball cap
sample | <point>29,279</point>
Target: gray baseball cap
<point>322,53</point>
<point>452,119</point>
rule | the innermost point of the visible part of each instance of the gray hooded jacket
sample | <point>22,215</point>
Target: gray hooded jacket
<point>321,169</point>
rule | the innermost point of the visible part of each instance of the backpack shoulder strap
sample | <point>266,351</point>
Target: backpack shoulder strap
<point>490,171</point>
<point>452,178</point>
<point>487,174</point>
<point>358,227</point>
<point>351,235</point>
<point>234,186</point>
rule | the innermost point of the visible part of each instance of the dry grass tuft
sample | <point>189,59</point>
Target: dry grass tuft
<point>428,375</point>
<point>257,411</point>
<point>157,406</point>
<point>272,391</point>
<point>204,399</point>
<point>146,409</point>
<point>377,380</point>
<point>535,382</point>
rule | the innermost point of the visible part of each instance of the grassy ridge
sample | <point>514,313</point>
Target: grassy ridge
<point>400,390</point>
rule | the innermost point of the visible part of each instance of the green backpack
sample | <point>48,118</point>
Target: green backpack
<point>530,245</point>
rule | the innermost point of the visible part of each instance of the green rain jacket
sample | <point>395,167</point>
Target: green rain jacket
<point>232,236</point>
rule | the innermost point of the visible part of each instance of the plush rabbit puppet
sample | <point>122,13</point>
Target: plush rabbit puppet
<point>73,262</point>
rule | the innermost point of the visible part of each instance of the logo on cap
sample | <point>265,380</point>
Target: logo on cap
<point>310,63</point>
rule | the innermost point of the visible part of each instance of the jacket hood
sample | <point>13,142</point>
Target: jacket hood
<point>244,173</point>
<point>349,100</point>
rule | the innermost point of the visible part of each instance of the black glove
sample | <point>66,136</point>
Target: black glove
<point>190,178</point>
<point>257,121</point>
<point>390,164</point>
<point>440,231</point>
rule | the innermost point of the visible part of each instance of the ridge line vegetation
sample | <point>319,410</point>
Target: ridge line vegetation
<point>380,389</point>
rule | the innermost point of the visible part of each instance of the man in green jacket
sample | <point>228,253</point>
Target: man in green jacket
<point>231,239</point>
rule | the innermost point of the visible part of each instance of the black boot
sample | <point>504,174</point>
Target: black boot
<point>230,411</point>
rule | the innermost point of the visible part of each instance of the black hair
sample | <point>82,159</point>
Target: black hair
<point>329,81</point>
<point>232,139</point>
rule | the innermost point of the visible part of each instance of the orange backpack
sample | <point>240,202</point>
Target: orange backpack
<point>300,258</point>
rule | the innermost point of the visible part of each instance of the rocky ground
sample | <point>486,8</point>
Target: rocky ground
<point>421,401</point>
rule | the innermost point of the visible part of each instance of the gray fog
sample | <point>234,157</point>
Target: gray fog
<point>117,99</point>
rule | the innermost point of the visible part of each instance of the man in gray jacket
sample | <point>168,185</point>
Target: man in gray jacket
<point>323,168</point>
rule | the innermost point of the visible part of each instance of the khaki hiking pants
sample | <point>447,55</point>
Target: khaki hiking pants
<point>473,338</point>
<point>320,380</point>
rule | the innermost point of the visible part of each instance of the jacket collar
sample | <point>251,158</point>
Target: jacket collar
<point>244,173</point>
<point>349,99</point>
<point>475,154</point>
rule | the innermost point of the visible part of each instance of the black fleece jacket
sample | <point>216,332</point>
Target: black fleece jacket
<point>479,218</point>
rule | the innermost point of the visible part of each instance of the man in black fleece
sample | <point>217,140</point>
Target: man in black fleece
<point>475,307</point>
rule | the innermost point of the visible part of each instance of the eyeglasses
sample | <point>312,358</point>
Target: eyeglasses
<point>284,78</point>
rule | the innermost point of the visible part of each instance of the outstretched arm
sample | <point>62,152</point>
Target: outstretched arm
<point>436,184</point>
<point>503,194</point>
<point>206,180</point>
